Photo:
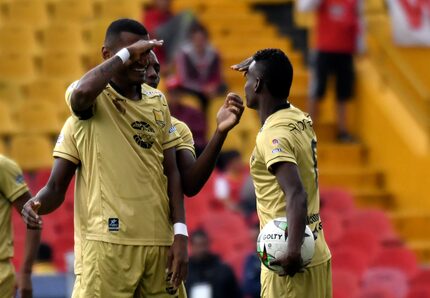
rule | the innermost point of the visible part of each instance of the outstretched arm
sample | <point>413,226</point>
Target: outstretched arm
<point>32,240</point>
<point>52,195</point>
<point>288,177</point>
<point>95,80</point>
<point>195,173</point>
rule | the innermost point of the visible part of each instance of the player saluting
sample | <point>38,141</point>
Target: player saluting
<point>285,174</point>
<point>14,192</point>
<point>126,148</point>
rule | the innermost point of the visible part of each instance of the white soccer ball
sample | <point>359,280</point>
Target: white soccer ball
<point>273,240</point>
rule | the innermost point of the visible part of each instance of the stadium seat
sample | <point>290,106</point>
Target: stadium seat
<point>376,292</point>
<point>49,90</point>
<point>28,12</point>
<point>422,291</point>
<point>38,117</point>
<point>398,257</point>
<point>7,125</point>
<point>338,200</point>
<point>64,37</point>
<point>393,281</point>
<point>17,68</point>
<point>422,278</point>
<point>115,9</point>
<point>61,65</point>
<point>49,286</point>
<point>73,11</point>
<point>31,152</point>
<point>345,284</point>
<point>349,259</point>
<point>16,38</point>
<point>332,225</point>
<point>3,147</point>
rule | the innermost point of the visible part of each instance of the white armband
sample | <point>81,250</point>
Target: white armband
<point>123,54</point>
<point>180,228</point>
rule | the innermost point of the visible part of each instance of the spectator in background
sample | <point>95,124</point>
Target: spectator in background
<point>208,276</point>
<point>195,119</point>
<point>252,269</point>
<point>198,66</point>
<point>338,38</point>
<point>248,200</point>
<point>229,180</point>
<point>44,261</point>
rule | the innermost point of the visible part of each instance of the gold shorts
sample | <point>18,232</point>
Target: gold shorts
<point>7,279</point>
<point>314,282</point>
<point>124,271</point>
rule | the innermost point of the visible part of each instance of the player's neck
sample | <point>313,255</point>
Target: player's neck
<point>269,106</point>
<point>127,90</point>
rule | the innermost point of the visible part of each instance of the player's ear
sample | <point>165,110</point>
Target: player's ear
<point>106,53</point>
<point>258,85</point>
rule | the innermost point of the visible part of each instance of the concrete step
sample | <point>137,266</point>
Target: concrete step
<point>341,154</point>
<point>350,178</point>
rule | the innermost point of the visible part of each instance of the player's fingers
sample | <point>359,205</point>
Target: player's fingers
<point>235,101</point>
<point>30,217</point>
<point>169,262</point>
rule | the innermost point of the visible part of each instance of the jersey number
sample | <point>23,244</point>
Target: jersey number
<point>314,157</point>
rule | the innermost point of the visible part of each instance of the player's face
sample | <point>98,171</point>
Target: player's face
<point>133,73</point>
<point>250,87</point>
<point>152,74</point>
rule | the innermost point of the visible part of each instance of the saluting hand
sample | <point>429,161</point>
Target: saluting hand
<point>230,113</point>
<point>142,47</point>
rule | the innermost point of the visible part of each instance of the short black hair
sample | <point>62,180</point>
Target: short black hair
<point>199,233</point>
<point>123,25</point>
<point>277,71</point>
<point>225,158</point>
<point>44,253</point>
<point>197,27</point>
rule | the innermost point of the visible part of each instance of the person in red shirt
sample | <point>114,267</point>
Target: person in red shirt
<point>337,33</point>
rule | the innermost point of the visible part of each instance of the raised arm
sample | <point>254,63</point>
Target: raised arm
<point>52,195</point>
<point>195,173</point>
<point>178,256</point>
<point>32,240</point>
<point>95,80</point>
<point>288,177</point>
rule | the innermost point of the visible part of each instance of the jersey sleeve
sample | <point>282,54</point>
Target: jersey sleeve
<point>187,141</point>
<point>275,146</point>
<point>66,145</point>
<point>12,183</point>
<point>171,137</point>
<point>68,95</point>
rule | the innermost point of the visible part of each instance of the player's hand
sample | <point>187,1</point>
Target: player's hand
<point>24,285</point>
<point>292,263</point>
<point>229,114</point>
<point>29,214</point>
<point>177,262</point>
<point>244,65</point>
<point>142,47</point>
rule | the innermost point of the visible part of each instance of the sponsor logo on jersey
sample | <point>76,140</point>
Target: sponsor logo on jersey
<point>60,139</point>
<point>145,135</point>
<point>19,179</point>
<point>172,129</point>
<point>113,224</point>
<point>276,150</point>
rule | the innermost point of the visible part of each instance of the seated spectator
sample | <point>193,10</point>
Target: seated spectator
<point>252,269</point>
<point>248,200</point>
<point>229,179</point>
<point>198,66</point>
<point>44,261</point>
<point>208,276</point>
<point>194,118</point>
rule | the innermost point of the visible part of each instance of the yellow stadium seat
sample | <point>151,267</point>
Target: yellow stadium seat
<point>16,68</point>
<point>30,12</point>
<point>38,117</point>
<point>3,149</point>
<point>31,152</point>
<point>66,66</point>
<point>7,125</point>
<point>73,10</point>
<point>46,90</point>
<point>115,9</point>
<point>16,38</point>
<point>64,37</point>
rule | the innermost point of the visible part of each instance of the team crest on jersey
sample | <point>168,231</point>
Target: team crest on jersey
<point>159,118</point>
<point>275,141</point>
<point>113,224</point>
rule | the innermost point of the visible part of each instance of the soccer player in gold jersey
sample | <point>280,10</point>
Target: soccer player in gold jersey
<point>68,159</point>
<point>14,192</point>
<point>285,174</point>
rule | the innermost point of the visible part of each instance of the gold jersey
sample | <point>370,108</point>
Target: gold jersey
<point>120,149</point>
<point>12,186</point>
<point>288,136</point>
<point>184,131</point>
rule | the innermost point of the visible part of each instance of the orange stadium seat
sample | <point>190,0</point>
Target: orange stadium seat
<point>32,13</point>
<point>31,152</point>
<point>64,37</point>
<point>17,68</point>
<point>16,38</point>
<point>3,147</point>
<point>66,66</point>
<point>114,9</point>
<point>7,125</point>
<point>48,90</point>
<point>38,117</point>
<point>73,10</point>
